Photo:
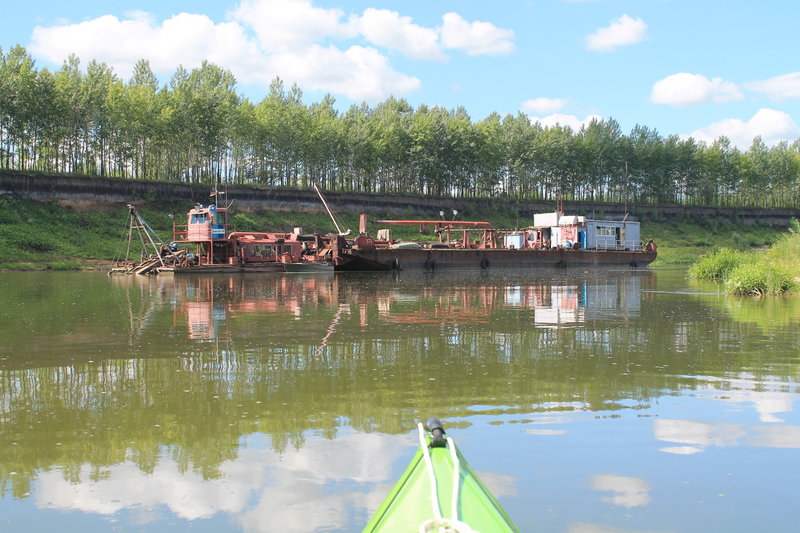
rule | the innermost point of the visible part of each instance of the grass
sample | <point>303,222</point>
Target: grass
<point>773,270</point>
<point>46,235</point>
<point>718,266</point>
<point>686,241</point>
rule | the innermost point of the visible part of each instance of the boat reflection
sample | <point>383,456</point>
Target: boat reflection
<point>208,304</point>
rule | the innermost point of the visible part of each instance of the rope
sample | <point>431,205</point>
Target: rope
<point>437,513</point>
<point>438,524</point>
<point>456,477</point>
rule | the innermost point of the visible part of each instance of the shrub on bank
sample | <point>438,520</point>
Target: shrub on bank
<point>718,265</point>
<point>772,271</point>
<point>758,278</point>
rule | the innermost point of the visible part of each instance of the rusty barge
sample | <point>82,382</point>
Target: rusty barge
<point>553,241</point>
<point>204,245</point>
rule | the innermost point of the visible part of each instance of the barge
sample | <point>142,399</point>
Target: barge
<point>553,241</point>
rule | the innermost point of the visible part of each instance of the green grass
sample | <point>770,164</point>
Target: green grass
<point>718,265</point>
<point>759,278</point>
<point>687,241</point>
<point>768,271</point>
<point>45,235</point>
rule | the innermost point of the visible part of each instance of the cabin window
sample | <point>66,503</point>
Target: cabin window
<point>260,250</point>
<point>198,219</point>
<point>606,231</point>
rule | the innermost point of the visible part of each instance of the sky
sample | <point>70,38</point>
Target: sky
<point>699,68</point>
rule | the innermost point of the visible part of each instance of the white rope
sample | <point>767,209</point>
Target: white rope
<point>437,513</point>
<point>456,477</point>
<point>440,524</point>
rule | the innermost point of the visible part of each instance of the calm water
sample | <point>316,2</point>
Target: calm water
<point>604,402</point>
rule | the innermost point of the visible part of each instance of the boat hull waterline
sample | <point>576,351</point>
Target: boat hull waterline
<point>490,259</point>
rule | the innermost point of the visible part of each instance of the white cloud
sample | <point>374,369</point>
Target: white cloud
<point>391,30</point>
<point>571,121</point>
<point>288,24</point>
<point>682,450</point>
<point>685,90</point>
<point>771,125</point>
<point>359,73</point>
<point>623,31</point>
<point>628,491</point>
<point>543,106</point>
<point>263,39</point>
<point>475,38</point>
<point>182,39</point>
<point>186,39</point>
<point>782,87</point>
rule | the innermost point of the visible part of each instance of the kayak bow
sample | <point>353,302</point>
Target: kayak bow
<point>439,492</point>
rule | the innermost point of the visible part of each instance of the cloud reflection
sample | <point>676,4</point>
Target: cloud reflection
<point>700,435</point>
<point>628,491</point>
<point>776,437</point>
<point>291,490</point>
<point>768,397</point>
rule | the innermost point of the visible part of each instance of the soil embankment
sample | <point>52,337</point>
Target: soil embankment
<point>99,193</point>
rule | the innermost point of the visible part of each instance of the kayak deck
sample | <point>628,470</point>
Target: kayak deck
<point>439,492</point>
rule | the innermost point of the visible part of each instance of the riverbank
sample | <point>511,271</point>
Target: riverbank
<point>57,235</point>
<point>774,270</point>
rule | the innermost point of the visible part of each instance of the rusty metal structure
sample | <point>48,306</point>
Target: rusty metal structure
<point>474,245</point>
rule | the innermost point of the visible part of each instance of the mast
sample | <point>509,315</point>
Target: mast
<point>328,209</point>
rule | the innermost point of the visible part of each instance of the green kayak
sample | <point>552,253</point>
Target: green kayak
<point>440,493</point>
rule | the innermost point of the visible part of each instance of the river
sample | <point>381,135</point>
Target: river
<point>589,402</point>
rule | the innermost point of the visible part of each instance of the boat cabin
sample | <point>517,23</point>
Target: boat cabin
<point>206,223</point>
<point>207,229</point>
<point>556,230</point>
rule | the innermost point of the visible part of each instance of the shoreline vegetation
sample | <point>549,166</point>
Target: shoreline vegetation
<point>769,271</point>
<point>39,235</point>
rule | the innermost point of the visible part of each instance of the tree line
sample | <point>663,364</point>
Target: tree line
<point>196,128</point>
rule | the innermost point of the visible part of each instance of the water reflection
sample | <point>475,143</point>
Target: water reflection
<point>288,400</point>
<point>627,491</point>
<point>208,304</point>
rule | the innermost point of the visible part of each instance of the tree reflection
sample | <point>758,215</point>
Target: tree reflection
<point>188,366</point>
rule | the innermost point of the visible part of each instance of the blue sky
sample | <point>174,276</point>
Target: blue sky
<point>703,68</point>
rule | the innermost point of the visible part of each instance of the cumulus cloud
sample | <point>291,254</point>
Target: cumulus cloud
<point>622,31</point>
<point>571,121</point>
<point>784,87</point>
<point>318,48</point>
<point>685,90</point>
<point>288,24</point>
<point>359,73</point>
<point>771,125</point>
<point>475,38</point>
<point>543,106</point>
<point>391,30</point>
<point>182,39</point>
